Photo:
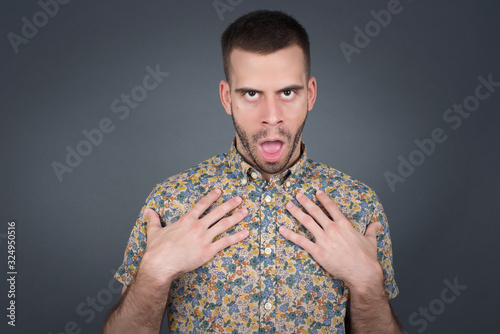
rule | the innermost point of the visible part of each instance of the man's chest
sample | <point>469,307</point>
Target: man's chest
<point>264,282</point>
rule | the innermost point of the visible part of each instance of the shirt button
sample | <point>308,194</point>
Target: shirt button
<point>268,250</point>
<point>288,184</point>
<point>268,306</point>
<point>268,199</point>
<point>253,175</point>
<point>244,181</point>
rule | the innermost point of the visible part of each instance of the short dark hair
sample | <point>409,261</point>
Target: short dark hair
<point>264,32</point>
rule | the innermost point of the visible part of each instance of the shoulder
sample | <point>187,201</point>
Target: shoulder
<point>198,179</point>
<point>357,201</point>
<point>333,180</point>
<point>209,168</point>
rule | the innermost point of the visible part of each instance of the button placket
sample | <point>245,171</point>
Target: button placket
<point>269,231</point>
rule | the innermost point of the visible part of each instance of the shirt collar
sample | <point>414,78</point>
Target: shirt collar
<point>245,173</point>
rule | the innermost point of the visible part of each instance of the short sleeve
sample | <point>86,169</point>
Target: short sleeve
<point>137,242</point>
<point>384,249</point>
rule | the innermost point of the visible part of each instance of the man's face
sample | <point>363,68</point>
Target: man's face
<point>268,99</point>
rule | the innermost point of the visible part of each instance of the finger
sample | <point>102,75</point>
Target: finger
<point>330,206</point>
<point>373,229</point>
<point>298,239</point>
<point>304,219</point>
<point>314,211</point>
<point>226,223</point>
<point>204,203</point>
<point>229,240</point>
<point>153,221</point>
<point>217,213</point>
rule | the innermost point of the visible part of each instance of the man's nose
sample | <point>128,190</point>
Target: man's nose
<point>272,113</point>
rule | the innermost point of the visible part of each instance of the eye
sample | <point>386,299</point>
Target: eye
<point>288,94</point>
<point>251,95</point>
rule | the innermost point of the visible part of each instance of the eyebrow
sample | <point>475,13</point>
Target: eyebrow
<point>247,89</point>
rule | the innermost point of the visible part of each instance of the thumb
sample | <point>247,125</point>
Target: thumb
<point>153,221</point>
<point>373,229</point>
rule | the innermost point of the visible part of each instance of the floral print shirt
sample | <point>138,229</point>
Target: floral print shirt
<point>265,283</point>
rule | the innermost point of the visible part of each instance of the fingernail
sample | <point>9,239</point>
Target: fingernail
<point>218,191</point>
<point>244,211</point>
<point>288,205</point>
<point>319,192</point>
<point>299,195</point>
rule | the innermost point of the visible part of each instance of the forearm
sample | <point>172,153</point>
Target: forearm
<point>370,312</point>
<point>141,308</point>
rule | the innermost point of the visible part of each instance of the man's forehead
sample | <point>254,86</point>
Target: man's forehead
<point>287,64</point>
<point>241,53</point>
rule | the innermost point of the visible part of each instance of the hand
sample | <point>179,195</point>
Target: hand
<point>339,248</point>
<point>189,243</point>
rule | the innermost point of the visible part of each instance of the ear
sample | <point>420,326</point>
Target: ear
<point>225,95</point>
<point>311,93</point>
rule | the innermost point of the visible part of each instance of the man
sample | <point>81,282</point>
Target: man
<point>260,239</point>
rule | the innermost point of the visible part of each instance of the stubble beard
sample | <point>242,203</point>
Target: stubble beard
<point>250,145</point>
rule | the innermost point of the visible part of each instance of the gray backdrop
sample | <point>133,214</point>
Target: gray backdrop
<point>382,105</point>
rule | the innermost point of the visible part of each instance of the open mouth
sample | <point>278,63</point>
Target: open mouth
<point>272,150</point>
